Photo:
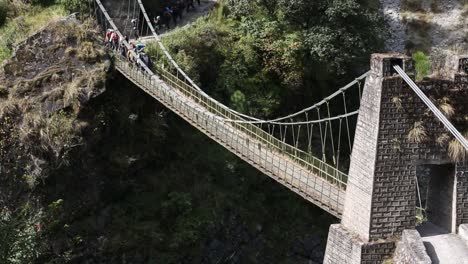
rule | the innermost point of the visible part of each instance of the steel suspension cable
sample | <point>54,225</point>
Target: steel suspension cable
<point>315,106</point>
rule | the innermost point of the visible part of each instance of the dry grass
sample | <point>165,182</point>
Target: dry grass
<point>456,151</point>
<point>14,108</point>
<point>87,52</point>
<point>446,107</point>
<point>396,100</point>
<point>443,139</point>
<point>29,127</point>
<point>3,92</point>
<point>47,134</point>
<point>70,52</point>
<point>418,133</point>
<point>72,91</point>
<point>58,134</point>
<point>53,95</point>
<point>24,87</point>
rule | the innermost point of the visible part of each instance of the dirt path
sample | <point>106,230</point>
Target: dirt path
<point>187,19</point>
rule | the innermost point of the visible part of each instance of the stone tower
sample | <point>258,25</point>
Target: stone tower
<point>381,195</point>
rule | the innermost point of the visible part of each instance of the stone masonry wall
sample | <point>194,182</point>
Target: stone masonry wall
<point>342,246</point>
<point>356,214</point>
<point>411,250</point>
<point>377,252</point>
<point>381,194</point>
<point>345,248</point>
<point>461,177</point>
<point>394,197</point>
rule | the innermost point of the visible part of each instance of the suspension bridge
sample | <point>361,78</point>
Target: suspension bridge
<point>307,151</point>
<point>301,151</point>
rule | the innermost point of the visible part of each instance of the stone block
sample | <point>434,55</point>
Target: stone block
<point>411,250</point>
<point>463,232</point>
<point>345,247</point>
<point>382,64</point>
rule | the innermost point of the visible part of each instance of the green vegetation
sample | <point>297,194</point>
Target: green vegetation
<point>120,180</point>
<point>19,28</point>
<point>278,55</point>
<point>19,239</point>
<point>422,65</point>
<point>3,12</point>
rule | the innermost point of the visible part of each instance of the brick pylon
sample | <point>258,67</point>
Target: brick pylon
<point>381,196</point>
<point>372,210</point>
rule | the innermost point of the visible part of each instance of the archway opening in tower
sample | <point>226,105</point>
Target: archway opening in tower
<point>436,195</point>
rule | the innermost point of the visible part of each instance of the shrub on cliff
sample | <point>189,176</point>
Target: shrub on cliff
<point>3,12</point>
<point>422,65</point>
<point>74,5</point>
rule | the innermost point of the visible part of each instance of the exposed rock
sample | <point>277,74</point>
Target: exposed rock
<point>431,26</point>
<point>42,78</point>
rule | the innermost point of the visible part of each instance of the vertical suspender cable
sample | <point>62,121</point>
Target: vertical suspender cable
<point>331,133</point>
<point>347,122</point>
<point>339,145</point>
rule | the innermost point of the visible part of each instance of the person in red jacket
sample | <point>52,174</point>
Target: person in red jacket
<point>115,41</point>
<point>108,36</point>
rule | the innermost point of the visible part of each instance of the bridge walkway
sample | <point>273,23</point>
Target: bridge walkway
<point>312,184</point>
<point>442,246</point>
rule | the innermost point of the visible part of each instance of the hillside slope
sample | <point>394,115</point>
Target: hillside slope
<point>433,26</point>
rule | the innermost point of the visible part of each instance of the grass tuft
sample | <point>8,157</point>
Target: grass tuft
<point>418,133</point>
<point>396,100</point>
<point>456,151</point>
<point>443,139</point>
<point>446,107</point>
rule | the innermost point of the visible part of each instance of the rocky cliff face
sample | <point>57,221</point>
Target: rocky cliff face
<point>433,26</point>
<point>43,86</point>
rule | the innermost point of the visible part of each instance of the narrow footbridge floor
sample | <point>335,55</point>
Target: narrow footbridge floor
<point>442,246</point>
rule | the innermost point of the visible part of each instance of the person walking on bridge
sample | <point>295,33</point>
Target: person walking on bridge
<point>108,37</point>
<point>157,24</point>
<point>135,28</point>
<point>115,41</point>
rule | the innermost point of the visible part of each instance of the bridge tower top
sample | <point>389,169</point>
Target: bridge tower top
<point>382,64</point>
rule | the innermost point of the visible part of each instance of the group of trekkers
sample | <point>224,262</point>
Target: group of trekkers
<point>135,52</point>
<point>172,12</point>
